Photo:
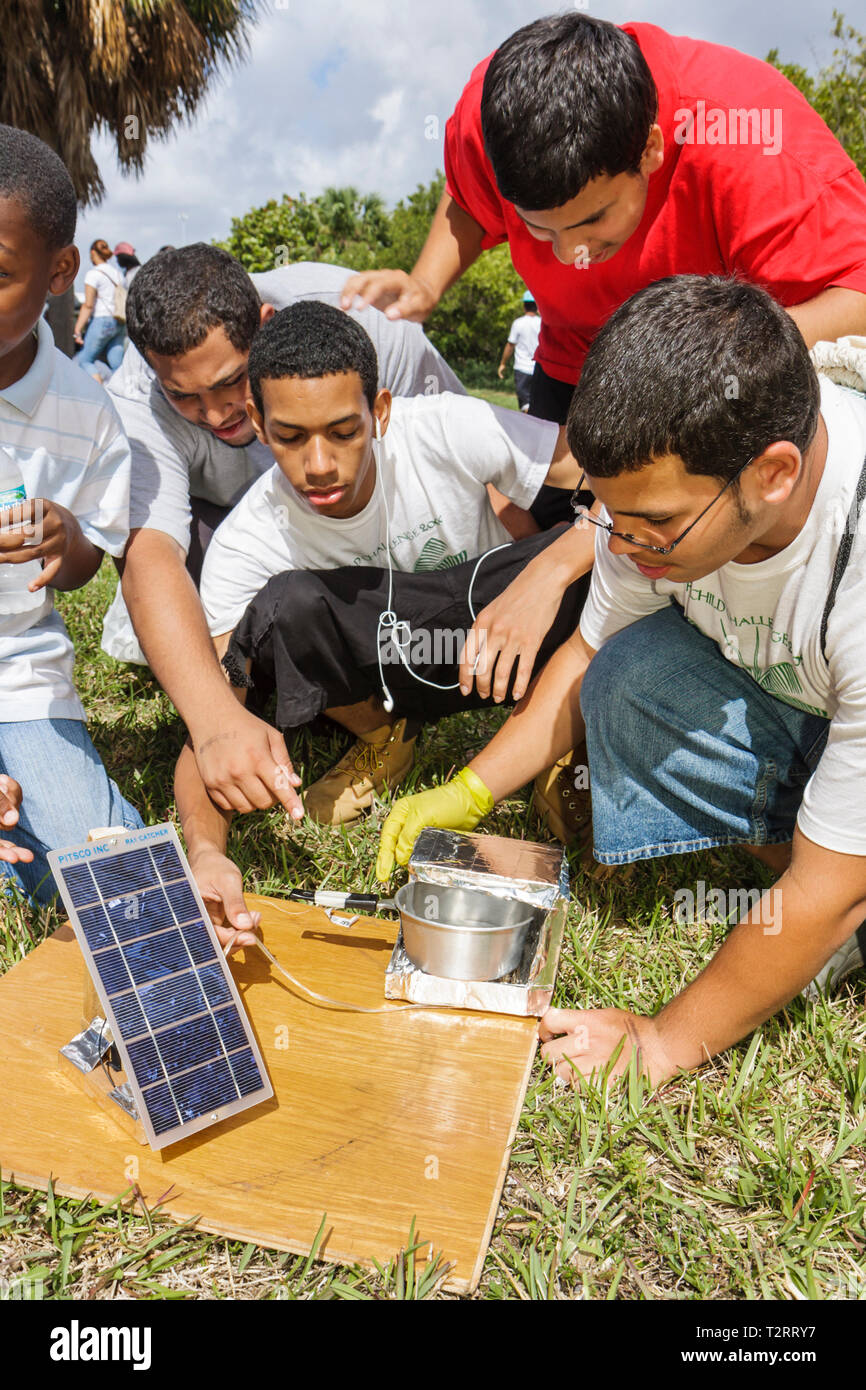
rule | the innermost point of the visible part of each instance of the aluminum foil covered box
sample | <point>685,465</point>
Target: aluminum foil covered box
<point>531,873</point>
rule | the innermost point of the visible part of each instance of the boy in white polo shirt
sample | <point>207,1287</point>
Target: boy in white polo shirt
<point>62,441</point>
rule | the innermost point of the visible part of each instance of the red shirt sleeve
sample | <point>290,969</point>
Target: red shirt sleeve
<point>468,176</point>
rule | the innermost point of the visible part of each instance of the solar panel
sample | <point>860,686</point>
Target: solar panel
<point>184,1039</point>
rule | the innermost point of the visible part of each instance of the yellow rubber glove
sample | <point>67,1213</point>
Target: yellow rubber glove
<point>458,805</point>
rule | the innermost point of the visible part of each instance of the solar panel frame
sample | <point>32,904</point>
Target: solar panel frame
<point>81,873</point>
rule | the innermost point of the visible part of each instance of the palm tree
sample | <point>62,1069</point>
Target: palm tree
<point>352,217</point>
<point>132,68</point>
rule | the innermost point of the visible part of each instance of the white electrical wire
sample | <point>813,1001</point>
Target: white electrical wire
<point>388,619</point>
<point>324,998</point>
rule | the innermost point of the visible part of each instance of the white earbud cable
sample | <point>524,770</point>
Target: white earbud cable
<point>389,625</point>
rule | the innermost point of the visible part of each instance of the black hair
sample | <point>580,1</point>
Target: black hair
<point>178,296</point>
<point>125,260</point>
<point>565,100</point>
<point>529,304</point>
<point>36,178</point>
<point>709,369</point>
<point>311,339</point>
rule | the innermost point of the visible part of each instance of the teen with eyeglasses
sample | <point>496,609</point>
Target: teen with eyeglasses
<point>718,670</point>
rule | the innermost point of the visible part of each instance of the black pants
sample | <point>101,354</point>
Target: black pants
<point>549,399</point>
<point>313,634</point>
<point>522,387</point>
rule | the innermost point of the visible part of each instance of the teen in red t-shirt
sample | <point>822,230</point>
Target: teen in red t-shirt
<point>609,158</point>
<point>738,175</point>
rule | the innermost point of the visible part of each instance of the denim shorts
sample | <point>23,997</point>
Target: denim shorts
<point>686,751</point>
<point>66,792</point>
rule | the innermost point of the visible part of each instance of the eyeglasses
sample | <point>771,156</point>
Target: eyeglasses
<point>582,513</point>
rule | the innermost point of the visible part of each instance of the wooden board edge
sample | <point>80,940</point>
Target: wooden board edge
<point>475,1277</point>
<point>336,1257</point>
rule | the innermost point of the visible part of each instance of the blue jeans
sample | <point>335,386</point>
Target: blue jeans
<point>66,793</point>
<point>104,341</point>
<point>686,751</point>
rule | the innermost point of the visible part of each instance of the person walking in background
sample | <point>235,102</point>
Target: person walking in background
<point>522,342</point>
<point>98,330</point>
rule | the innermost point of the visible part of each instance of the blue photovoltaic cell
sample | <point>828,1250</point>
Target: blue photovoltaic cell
<point>113,970</point>
<point>188,1048</point>
<point>199,942</point>
<point>79,882</point>
<point>145,1061</point>
<point>189,1043</point>
<point>232,1031</point>
<point>125,873</point>
<point>171,999</point>
<point>96,926</point>
<point>139,914</point>
<point>246,1071</point>
<point>205,1088</point>
<point>215,985</point>
<point>163,1112</point>
<point>127,1011</point>
<point>167,861</point>
<point>183,903</point>
<point>155,956</point>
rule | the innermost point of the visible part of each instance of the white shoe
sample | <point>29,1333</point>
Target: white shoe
<point>845,961</point>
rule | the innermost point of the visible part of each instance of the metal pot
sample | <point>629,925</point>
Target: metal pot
<point>461,933</point>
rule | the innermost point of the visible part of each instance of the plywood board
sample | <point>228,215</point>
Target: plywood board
<point>377,1118</point>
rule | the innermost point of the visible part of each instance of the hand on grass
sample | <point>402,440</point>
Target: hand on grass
<point>584,1040</point>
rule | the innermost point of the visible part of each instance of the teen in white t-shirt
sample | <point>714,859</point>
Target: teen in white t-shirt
<point>436,458</point>
<point>350,549</point>
<point>719,669</point>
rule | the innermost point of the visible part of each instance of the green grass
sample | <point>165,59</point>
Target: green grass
<point>504,396</point>
<point>744,1181</point>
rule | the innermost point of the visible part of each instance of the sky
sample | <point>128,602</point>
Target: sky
<point>343,92</point>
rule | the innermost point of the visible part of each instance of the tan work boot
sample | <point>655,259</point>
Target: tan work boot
<point>561,797</point>
<point>376,760</point>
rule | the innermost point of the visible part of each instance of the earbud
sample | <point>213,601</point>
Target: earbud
<point>377,430</point>
<point>388,702</point>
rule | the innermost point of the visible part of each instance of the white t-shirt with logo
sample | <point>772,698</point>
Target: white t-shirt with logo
<point>524,339</point>
<point>64,434</point>
<point>766,618</point>
<point>174,460</point>
<point>437,456</point>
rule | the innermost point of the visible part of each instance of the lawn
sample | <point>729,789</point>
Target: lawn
<point>743,1181</point>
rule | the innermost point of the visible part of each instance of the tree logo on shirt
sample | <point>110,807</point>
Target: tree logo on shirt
<point>780,679</point>
<point>434,556</point>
